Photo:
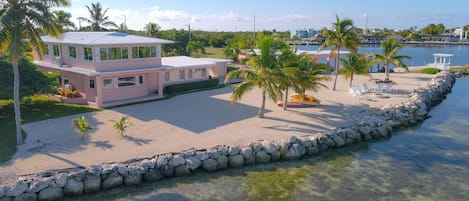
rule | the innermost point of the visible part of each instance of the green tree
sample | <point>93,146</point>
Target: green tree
<point>122,28</point>
<point>81,126</point>
<point>21,23</point>
<point>356,64</point>
<point>433,29</point>
<point>63,19</point>
<point>196,48</point>
<point>342,36</point>
<point>389,55</point>
<point>122,125</point>
<point>264,75</point>
<point>98,19</point>
<point>152,29</point>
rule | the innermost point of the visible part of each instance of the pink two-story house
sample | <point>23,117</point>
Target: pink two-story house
<point>111,68</point>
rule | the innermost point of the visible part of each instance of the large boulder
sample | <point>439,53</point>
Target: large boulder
<point>246,152</point>
<point>73,187</point>
<point>27,197</point>
<point>339,141</point>
<point>51,193</point>
<point>92,183</point>
<point>193,163</point>
<point>270,147</point>
<point>276,155</point>
<point>134,177</point>
<point>234,150</point>
<point>60,180</point>
<point>112,180</point>
<point>153,175</point>
<point>201,155</point>
<point>236,160</point>
<point>222,162</point>
<point>209,165</point>
<point>38,185</point>
<point>147,164</point>
<point>161,161</point>
<point>2,191</point>
<point>181,170</point>
<point>294,152</point>
<point>95,170</point>
<point>167,170</point>
<point>123,170</point>
<point>19,188</point>
<point>177,160</point>
<point>262,157</point>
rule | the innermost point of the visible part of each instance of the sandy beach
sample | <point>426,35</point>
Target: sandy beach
<point>195,120</point>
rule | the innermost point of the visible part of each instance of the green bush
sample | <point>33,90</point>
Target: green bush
<point>178,88</point>
<point>430,70</point>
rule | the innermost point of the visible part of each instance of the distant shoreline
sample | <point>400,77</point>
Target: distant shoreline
<point>406,43</point>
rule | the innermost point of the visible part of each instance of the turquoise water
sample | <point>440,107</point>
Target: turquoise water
<point>421,54</point>
<point>427,162</point>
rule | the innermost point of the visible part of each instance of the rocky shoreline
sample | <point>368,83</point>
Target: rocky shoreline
<point>373,124</point>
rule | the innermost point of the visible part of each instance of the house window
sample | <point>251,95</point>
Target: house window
<point>125,81</point>
<point>144,52</point>
<point>113,53</point>
<point>72,52</point>
<point>140,79</point>
<point>182,74</point>
<point>66,80</point>
<point>166,76</point>
<point>88,53</point>
<point>107,83</point>
<point>204,72</point>
<point>91,83</point>
<point>189,73</point>
<point>45,49</point>
<point>56,50</point>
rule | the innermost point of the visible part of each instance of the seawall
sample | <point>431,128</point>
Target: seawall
<point>375,124</point>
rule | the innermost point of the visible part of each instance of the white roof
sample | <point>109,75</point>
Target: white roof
<point>216,60</point>
<point>102,38</point>
<point>442,55</point>
<point>183,61</point>
<point>322,52</point>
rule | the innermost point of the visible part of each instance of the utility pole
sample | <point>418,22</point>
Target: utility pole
<point>366,25</point>
<point>125,22</point>
<point>190,37</point>
<point>254,30</point>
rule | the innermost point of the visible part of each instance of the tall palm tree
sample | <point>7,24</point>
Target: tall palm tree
<point>342,36</point>
<point>264,75</point>
<point>98,19</point>
<point>390,49</point>
<point>356,64</point>
<point>152,29</point>
<point>63,19</point>
<point>21,23</point>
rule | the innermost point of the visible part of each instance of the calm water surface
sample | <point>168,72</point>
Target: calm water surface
<point>428,162</point>
<point>421,54</point>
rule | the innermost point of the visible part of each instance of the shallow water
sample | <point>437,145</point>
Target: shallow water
<point>428,162</point>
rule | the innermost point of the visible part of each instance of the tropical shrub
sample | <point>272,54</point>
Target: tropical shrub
<point>430,70</point>
<point>81,126</point>
<point>122,125</point>
<point>183,87</point>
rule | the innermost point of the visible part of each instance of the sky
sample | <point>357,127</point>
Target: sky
<point>282,15</point>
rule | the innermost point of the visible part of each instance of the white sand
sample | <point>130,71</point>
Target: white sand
<point>195,120</point>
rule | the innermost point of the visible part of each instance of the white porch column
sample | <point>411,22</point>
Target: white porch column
<point>435,60</point>
<point>99,91</point>
<point>160,83</point>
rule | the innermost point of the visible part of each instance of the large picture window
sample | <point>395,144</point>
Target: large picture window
<point>113,53</point>
<point>126,81</point>
<point>107,83</point>
<point>72,52</point>
<point>182,74</point>
<point>88,53</point>
<point>144,52</point>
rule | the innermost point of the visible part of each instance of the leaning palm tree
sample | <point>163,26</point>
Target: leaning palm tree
<point>98,19</point>
<point>390,49</point>
<point>264,75</point>
<point>21,23</point>
<point>63,19</point>
<point>342,36</point>
<point>356,64</point>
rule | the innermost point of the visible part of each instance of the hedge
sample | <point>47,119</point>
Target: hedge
<point>184,87</point>
<point>430,70</point>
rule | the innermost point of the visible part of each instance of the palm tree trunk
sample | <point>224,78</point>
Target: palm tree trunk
<point>336,66</point>
<point>261,109</point>
<point>16,99</point>
<point>285,101</point>
<point>351,79</point>
<point>386,70</point>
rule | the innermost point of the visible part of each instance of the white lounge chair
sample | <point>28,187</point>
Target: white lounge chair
<point>365,88</point>
<point>379,87</point>
<point>389,88</point>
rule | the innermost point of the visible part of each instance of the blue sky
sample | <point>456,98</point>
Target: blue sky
<point>237,15</point>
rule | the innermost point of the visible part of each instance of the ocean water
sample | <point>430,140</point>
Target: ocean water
<point>426,162</point>
<point>421,54</point>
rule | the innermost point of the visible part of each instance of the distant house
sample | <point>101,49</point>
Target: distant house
<point>111,68</point>
<point>444,38</point>
<point>372,39</point>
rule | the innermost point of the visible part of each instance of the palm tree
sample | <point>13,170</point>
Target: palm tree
<point>390,49</point>
<point>355,64</point>
<point>122,125</point>
<point>343,36</point>
<point>98,19</point>
<point>21,23</point>
<point>63,19</point>
<point>264,75</point>
<point>152,29</point>
<point>81,126</point>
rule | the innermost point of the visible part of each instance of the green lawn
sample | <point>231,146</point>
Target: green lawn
<point>452,69</point>
<point>213,52</point>
<point>40,108</point>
